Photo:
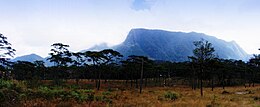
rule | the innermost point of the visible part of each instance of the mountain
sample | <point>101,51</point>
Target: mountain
<point>32,58</point>
<point>174,46</point>
<point>29,58</point>
<point>162,45</point>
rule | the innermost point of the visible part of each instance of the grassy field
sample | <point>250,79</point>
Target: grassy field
<point>117,94</point>
<point>177,96</point>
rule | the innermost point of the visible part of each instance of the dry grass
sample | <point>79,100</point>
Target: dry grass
<point>154,97</point>
<point>151,97</point>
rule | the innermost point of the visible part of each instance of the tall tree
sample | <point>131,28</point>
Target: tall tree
<point>60,54</point>
<point>255,61</point>
<point>203,52</point>
<point>96,58</point>
<point>139,60</point>
<point>40,68</point>
<point>23,70</point>
<point>110,59</point>
<point>78,62</point>
<point>6,51</point>
<point>110,56</point>
<point>102,58</point>
<point>61,57</point>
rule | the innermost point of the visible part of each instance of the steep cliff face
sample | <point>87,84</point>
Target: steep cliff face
<point>174,46</point>
<point>163,45</point>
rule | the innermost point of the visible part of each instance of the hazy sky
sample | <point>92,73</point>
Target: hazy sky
<point>33,25</point>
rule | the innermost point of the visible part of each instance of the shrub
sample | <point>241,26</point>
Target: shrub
<point>171,95</point>
<point>9,93</point>
<point>90,97</point>
<point>87,91</point>
<point>47,93</point>
<point>101,98</point>
<point>106,93</point>
<point>8,98</point>
<point>74,87</point>
<point>80,97</point>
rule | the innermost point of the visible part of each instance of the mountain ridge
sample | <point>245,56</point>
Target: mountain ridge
<point>168,45</point>
<point>30,58</point>
<point>174,46</point>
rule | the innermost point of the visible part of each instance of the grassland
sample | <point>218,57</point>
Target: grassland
<point>115,96</point>
<point>118,94</point>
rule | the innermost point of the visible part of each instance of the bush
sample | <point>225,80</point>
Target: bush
<point>171,95</point>
<point>103,98</point>
<point>106,93</point>
<point>10,85</point>
<point>79,97</point>
<point>9,93</point>
<point>90,97</point>
<point>87,91</point>
<point>48,93</point>
<point>74,87</point>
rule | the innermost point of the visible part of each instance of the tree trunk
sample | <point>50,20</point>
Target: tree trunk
<point>201,88</point>
<point>136,83</point>
<point>145,83</point>
<point>223,81</point>
<point>212,84</point>
<point>131,81</point>
<point>223,84</point>
<point>193,79</point>
<point>245,77</point>
<point>253,78</point>
<point>141,80</point>
<point>155,81</point>
<point>201,85</point>
<point>99,77</point>
<point>164,80</point>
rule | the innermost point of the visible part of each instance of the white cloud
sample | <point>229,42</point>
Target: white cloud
<point>142,4</point>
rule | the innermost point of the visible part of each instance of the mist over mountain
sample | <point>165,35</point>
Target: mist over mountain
<point>174,46</point>
<point>162,45</point>
<point>97,47</point>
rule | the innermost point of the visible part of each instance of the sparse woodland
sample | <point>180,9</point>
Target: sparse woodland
<point>107,78</point>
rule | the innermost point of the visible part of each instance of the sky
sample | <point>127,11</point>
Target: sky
<point>32,26</point>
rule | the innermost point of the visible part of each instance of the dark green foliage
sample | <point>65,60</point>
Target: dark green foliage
<point>56,92</point>
<point>60,54</point>
<point>6,51</point>
<point>203,55</point>
<point>103,98</point>
<point>9,93</point>
<point>171,95</point>
<point>105,93</point>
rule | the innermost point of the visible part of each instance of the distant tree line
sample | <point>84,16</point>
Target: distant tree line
<point>204,69</point>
